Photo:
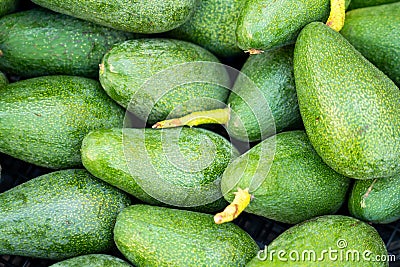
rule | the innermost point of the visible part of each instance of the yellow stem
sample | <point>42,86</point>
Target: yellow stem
<point>337,15</point>
<point>216,116</point>
<point>369,190</point>
<point>232,211</point>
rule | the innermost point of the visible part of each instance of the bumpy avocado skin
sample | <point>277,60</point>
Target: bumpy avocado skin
<point>156,78</point>
<point>40,42</point>
<point>366,3</point>
<point>92,260</point>
<point>8,6</point>
<point>348,106</point>
<point>289,182</point>
<point>376,201</point>
<point>159,236</point>
<point>151,16</point>
<point>374,31</point>
<point>3,80</point>
<point>59,215</point>
<point>330,240</point>
<point>213,26</point>
<point>44,119</point>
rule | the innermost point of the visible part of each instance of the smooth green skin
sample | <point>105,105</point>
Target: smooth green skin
<point>151,16</point>
<point>92,260</point>
<point>40,42</point>
<point>266,24</point>
<point>158,236</point>
<point>366,3</point>
<point>374,31</point>
<point>59,215</point>
<point>8,6</point>
<point>382,203</point>
<point>321,235</point>
<point>43,120</point>
<point>149,77</point>
<point>289,182</point>
<point>348,106</point>
<point>155,167</point>
<point>268,76</point>
<point>3,80</point>
<point>213,26</point>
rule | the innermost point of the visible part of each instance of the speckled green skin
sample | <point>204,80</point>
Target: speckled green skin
<point>157,236</point>
<point>144,162</point>
<point>40,42</point>
<point>213,26</point>
<point>266,24</point>
<point>366,3</point>
<point>59,215</point>
<point>8,6</point>
<point>43,120</point>
<point>382,203</point>
<point>348,106</point>
<point>128,67</point>
<point>374,31</point>
<point>324,236</point>
<point>3,80</point>
<point>151,16</point>
<point>271,74</point>
<point>92,260</point>
<point>289,181</point>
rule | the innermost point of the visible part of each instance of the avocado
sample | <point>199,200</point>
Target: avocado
<point>159,236</point>
<point>330,240</point>
<point>376,201</point>
<point>367,3</point>
<point>151,16</point>
<point>212,26</point>
<point>59,215</point>
<point>287,179</point>
<point>156,77</point>
<point>40,42</point>
<point>263,100</point>
<point>265,24</point>
<point>374,31</point>
<point>3,79</point>
<point>44,119</point>
<point>180,166</point>
<point>8,6</point>
<point>92,260</point>
<point>348,106</point>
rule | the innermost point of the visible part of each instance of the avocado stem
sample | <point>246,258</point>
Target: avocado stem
<point>337,15</point>
<point>363,205</point>
<point>232,211</point>
<point>215,116</point>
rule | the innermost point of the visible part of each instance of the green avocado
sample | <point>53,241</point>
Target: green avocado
<point>179,166</point>
<point>40,42</point>
<point>8,6</point>
<point>3,80</point>
<point>330,240</point>
<point>44,119</point>
<point>92,260</point>
<point>348,106</point>
<point>150,16</point>
<point>59,215</point>
<point>287,179</point>
<point>366,3</point>
<point>158,236</point>
<point>374,31</point>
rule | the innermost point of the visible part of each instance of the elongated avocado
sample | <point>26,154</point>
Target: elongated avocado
<point>92,260</point>
<point>59,215</point>
<point>43,120</point>
<point>158,236</point>
<point>348,106</point>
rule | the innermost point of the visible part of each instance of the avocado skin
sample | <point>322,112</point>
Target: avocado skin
<point>289,182</point>
<point>92,260</point>
<point>153,78</point>
<point>8,6</point>
<point>348,106</point>
<point>265,24</point>
<point>180,166</point>
<point>40,42</point>
<point>212,26</point>
<point>59,215</point>
<point>323,234</point>
<point>382,203</point>
<point>43,120</point>
<point>3,80</point>
<point>269,76</point>
<point>158,236</point>
<point>366,3</point>
<point>374,31</point>
<point>151,16</point>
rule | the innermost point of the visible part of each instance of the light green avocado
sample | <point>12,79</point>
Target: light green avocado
<point>92,260</point>
<point>366,3</point>
<point>348,106</point>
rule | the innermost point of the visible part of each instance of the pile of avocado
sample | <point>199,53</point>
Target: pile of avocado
<point>159,122</point>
